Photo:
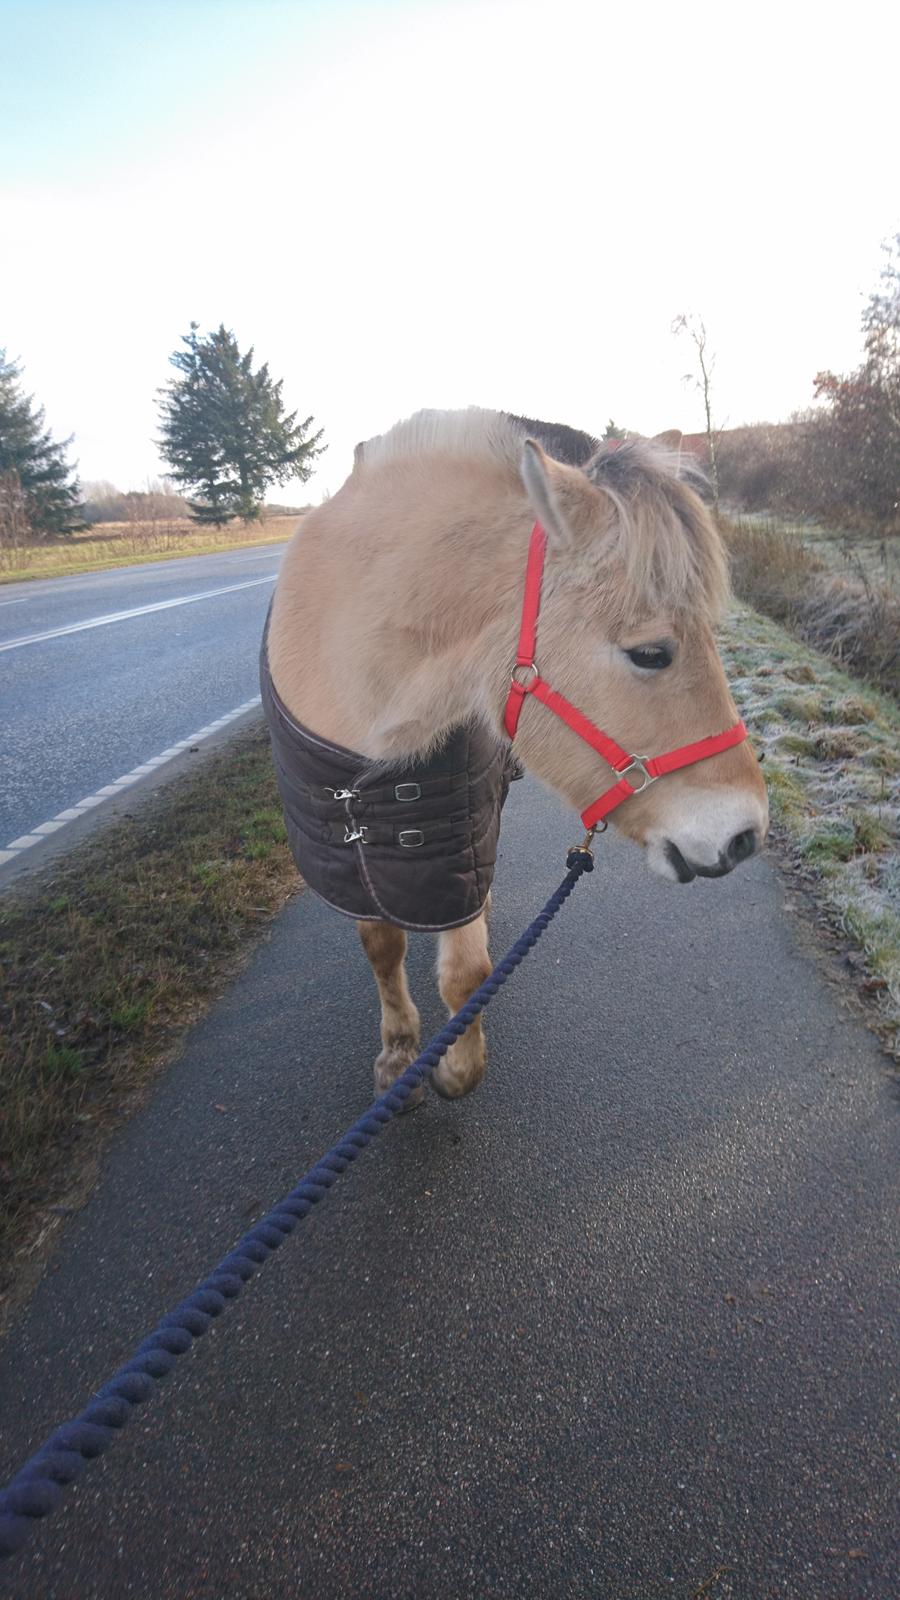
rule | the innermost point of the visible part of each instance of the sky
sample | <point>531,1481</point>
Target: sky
<point>407,203</point>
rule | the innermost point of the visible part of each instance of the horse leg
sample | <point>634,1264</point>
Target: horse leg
<point>385,947</point>
<point>463,964</point>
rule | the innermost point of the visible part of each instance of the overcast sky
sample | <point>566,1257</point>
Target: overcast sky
<point>404,203</point>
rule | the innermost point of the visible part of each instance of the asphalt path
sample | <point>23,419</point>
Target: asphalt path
<point>620,1326</point>
<point>78,709</point>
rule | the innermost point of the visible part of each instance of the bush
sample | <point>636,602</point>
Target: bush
<point>857,621</point>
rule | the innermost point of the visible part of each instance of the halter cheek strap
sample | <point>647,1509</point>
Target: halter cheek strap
<point>634,773</point>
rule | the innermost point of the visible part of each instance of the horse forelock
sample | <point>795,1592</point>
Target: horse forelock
<point>664,538</point>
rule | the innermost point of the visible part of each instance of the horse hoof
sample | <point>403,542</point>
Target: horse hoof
<point>452,1082</point>
<point>391,1064</point>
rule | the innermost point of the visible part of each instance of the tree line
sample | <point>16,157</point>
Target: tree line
<point>224,435</point>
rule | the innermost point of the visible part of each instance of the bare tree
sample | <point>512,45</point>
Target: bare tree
<point>695,328</point>
<point>15,532</point>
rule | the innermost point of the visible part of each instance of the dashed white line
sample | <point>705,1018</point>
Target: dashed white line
<point>136,611</point>
<point>62,818</point>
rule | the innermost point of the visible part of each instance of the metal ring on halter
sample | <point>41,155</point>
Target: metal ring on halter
<point>639,763</point>
<point>522,666</point>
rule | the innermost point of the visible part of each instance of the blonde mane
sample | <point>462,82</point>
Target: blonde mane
<point>473,432</point>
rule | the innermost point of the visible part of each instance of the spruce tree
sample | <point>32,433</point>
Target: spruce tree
<point>49,490</point>
<point>224,432</point>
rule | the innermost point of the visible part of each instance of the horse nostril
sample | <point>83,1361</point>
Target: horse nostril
<point>742,845</point>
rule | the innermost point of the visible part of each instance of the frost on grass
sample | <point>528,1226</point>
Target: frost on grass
<point>831,752</point>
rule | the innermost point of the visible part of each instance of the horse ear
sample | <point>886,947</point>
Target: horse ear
<point>565,500</point>
<point>537,476</point>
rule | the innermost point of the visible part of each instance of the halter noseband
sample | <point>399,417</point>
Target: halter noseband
<point>634,772</point>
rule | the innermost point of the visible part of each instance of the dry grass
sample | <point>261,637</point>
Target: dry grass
<point>839,596</point>
<point>124,544</point>
<point>106,954</point>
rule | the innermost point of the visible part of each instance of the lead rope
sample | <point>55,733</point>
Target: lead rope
<point>36,1489</point>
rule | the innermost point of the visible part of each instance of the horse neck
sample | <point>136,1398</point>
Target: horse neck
<point>446,647</point>
<point>406,588</point>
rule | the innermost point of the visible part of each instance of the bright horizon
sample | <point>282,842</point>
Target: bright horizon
<point>407,203</point>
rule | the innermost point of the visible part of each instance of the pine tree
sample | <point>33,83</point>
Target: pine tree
<point>224,432</point>
<point>49,492</point>
<point>613,431</point>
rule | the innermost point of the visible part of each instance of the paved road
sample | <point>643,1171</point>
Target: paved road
<point>619,1327</point>
<point>82,708</point>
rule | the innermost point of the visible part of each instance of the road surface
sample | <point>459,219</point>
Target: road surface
<point>620,1326</point>
<point>102,673</point>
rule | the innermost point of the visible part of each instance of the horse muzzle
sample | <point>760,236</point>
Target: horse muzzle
<point>740,848</point>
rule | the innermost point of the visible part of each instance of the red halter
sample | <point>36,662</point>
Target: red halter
<point>634,772</point>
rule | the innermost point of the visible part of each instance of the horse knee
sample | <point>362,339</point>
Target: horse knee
<point>463,962</point>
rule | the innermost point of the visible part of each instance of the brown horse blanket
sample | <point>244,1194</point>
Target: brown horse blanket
<point>413,845</point>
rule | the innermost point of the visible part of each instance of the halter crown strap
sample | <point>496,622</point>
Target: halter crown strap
<point>634,772</point>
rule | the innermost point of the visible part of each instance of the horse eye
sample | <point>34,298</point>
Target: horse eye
<point>653,657</point>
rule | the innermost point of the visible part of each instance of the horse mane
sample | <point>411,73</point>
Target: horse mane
<point>472,432</point>
<point>667,546</point>
<point>561,442</point>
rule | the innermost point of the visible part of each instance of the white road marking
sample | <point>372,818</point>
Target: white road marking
<point>136,611</point>
<point>62,818</point>
<point>100,575</point>
<point>255,555</point>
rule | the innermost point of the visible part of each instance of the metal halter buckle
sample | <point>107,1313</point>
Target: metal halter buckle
<point>407,791</point>
<point>410,838</point>
<point>358,833</point>
<point>637,763</point>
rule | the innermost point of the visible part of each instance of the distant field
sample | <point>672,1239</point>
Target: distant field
<point>125,544</point>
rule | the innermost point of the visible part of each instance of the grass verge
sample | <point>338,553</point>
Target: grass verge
<point>831,750</point>
<point>840,596</point>
<point>122,546</point>
<point>105,956</point>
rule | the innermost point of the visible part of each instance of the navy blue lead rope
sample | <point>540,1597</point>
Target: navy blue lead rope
<point>37,1487</point>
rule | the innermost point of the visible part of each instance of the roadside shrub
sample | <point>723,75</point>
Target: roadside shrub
<point>855,620</point>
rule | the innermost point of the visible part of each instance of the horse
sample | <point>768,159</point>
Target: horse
<point>392,640</point>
